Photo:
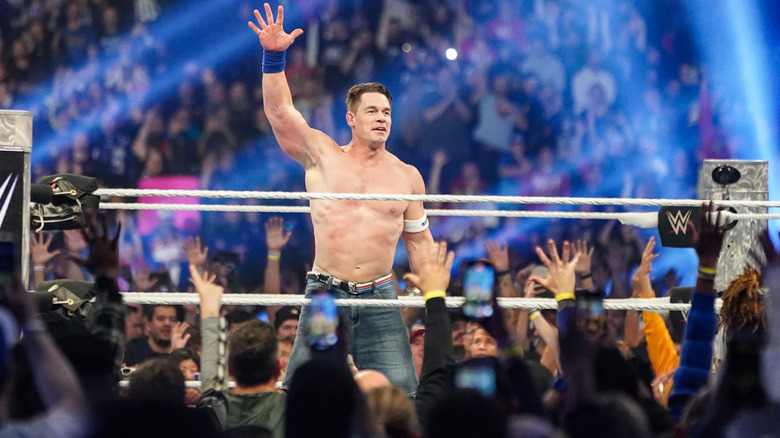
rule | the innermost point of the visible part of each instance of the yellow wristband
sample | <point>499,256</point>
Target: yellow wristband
<point>706,270</point>
<point>565,296</point>
<point>434,294</point>
<point>274,257</point>
<point>535,314</point>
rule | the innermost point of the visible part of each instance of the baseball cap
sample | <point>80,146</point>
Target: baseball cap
<point>285,313</point>
<point>415,334</point>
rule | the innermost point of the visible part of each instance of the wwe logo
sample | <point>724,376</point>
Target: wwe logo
<point>678,221</point>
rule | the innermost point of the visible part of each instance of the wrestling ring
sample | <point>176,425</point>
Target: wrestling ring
<point>642,220</point>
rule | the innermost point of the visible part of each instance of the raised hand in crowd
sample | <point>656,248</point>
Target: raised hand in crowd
<point>498,255</point>
<point>434,273</point>
<point>276,237</point>
<point>641,280</point>
<point>180,336</point>
<point>39,248</point>
<point>103,257</point>
<point>209,292</point>
<point>584,265</point>
<point>560,272</point>
<point>197,254</point>
<point>708,242</point>
<point>40,254</point>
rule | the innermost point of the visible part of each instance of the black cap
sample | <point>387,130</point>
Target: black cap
<point>285,313</point>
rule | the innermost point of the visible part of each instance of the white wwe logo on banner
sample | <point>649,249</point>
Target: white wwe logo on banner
<point>678,221</point>
<point>6,196</point>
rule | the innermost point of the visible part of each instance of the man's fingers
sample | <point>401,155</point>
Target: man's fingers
<point>414,279</point>
<point>542,256</point>
<point>269,15</point>
<point>449,261</point>
<point>296,33</point>
<point>280,15</point>
<point>566,251</point>
<point>553,251</point>
<point>260,20</point>
<point>195,275</point>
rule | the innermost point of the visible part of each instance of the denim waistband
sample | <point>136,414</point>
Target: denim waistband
<point>350,286</point>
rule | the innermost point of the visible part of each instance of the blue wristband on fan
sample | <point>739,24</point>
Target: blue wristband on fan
<point>273,61</point>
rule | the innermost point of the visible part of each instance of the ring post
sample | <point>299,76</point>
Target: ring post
<point>740,180</point>
<point>15,149</point>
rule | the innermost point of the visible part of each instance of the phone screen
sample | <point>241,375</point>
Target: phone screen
<point>590,311</point>
<point>477,374</point>
<point>324,321</point>
<point>478,285</point>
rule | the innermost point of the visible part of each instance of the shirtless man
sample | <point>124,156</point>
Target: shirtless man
<point>355,241</point>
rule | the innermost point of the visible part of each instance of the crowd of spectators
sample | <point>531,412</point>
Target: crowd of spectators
<point>545,97</point>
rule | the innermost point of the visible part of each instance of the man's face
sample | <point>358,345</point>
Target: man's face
<point>285,348</point>
<point>483,345</point>
<point>161,324</point>
<point>288,328</point>
<point>371,120</point>
<point>418,344</point>
<point>135,322</point>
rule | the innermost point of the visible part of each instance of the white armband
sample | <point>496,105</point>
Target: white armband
<point>417,225</point>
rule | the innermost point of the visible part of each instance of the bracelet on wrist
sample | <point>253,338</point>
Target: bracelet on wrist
<point>434,294</point>
<point>501,273</point>
<point>535,314</point>
<point>707,273</point>
<point>274,255</point>
<point>274,61</point>
<point>586,276</point>
<point>39,267</point>
<point>565,296</point>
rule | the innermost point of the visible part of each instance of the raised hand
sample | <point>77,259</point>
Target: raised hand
<point>179,335</point>
<point>435,269</point>
<point>641,279</point>
<point>209,292</point>
<point>74,240</point>
<point>498,254</point>
<point>39,249</point>
<point>709,240</point>
<point>271,33</point>
<point>586,255</point>
<point>103,258</point>
<point>197,254</point>
<point>560,273</point>
<point>275,236</point>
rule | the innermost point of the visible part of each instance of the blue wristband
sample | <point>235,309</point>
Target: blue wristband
<point>273,61</point>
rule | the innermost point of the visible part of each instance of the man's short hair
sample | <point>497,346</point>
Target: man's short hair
<point>253,352</point>
<point>354,93</point>
<point>149,310</point>
<point>284,314</point>
<point>158,380</point>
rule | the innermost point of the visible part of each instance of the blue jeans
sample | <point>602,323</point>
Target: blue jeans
<point>378,336</point>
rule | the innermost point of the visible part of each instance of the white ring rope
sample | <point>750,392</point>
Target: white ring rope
<point>172,298</point>
<point>235,194</point>
<point>643,220</point>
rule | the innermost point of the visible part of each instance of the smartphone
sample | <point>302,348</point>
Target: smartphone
<point>7,259</point>
<point>590,311</point>
<point>478,283</point>
<point>323,322</point>
<point>479,374</point>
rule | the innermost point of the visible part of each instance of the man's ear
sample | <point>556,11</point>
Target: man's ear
<point>350,119</point>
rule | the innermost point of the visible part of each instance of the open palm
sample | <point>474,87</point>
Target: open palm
<point>271,33</point>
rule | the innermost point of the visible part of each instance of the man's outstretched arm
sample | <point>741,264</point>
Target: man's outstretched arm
<point>292,132</point>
